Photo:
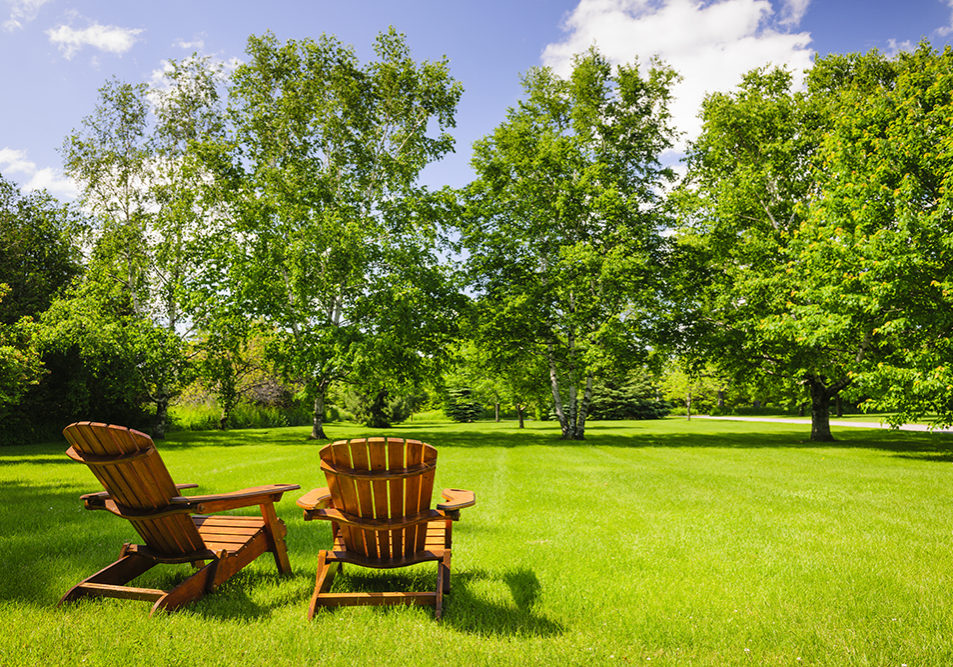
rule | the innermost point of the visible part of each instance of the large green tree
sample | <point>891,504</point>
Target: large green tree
<point>39,250</point>
<point>564,224</point>
<point>816,230</point>
<point>332,242</point>
<point>20,365</point>
<point>874,259</point>
<point>750,180</point>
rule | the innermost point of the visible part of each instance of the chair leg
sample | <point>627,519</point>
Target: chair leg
<point>445,566</point>
<point>322,581</point>
<point>190,590</point>
<point>443,583</point>
<point>276,531</point>
<point>119,573</point>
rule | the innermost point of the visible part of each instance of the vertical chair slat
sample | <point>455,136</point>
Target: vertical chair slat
<point>395,461</point>
<point>377,459</point>
<point>412,499</point>
<point>363,489</point>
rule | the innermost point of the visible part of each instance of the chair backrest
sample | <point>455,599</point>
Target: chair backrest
<point>381,478</point>
<point>128,466</point>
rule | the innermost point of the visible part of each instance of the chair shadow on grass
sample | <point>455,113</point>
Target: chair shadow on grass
<point>232,601</point>
<point>464,609</point>
<point>470,612</point>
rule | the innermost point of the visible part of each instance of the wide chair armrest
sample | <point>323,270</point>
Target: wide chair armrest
<point>259,495</point>
<point>97,501</point>
<point>315,499</point>
<point>454,501</point>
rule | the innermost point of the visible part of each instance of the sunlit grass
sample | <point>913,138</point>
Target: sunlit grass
<point>681,542</point>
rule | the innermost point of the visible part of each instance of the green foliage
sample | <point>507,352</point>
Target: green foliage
<point>381,408</point>
<point>745,201</point>
<point>244,415</point>
<point>317,174</point>
<point>20,365</point>
<point>137,174</point>
<point>461,406</point>
<point>875,254</point>
<point>496,377</point>
<point>635,396</point>
<point>563,226</point>
<point>39,250</point>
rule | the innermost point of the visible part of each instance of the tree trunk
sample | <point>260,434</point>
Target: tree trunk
<point>496,407</point>
<point>317,427</point>
<point>688,405</point>
<point>579,430</point>
<point>820,411</point>
<point>557,398</point>
<point>839,405</point>
<point>162,418</point>
<point>519,414</point>
<point>721,398</point>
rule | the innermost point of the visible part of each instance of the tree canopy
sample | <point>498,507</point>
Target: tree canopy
<point>331,241</point>
<point>564,220</point>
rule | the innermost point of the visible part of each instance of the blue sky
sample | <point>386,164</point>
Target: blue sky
<point>55,54</point>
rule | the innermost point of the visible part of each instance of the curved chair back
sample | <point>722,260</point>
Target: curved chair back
<point>128,466</point>
<point>381,479</point>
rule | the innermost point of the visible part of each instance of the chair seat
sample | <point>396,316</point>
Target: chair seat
<point>436,544</point>
<point>228,532</point>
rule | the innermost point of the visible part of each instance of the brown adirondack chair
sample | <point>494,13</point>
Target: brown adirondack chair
<point>378,502</point>
<point>140,489</point>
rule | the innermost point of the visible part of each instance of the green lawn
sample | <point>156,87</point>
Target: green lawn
<point>668,542</point>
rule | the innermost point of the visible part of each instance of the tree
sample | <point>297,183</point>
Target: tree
<point>133,162</point>
<point>632,395</point>
<point>696,388</point>
<point>821,225</point>
<point>332,243</point>
<point>461,405</point>
<point>874,257</point>
<point>20,365</point>
<point>749,184</point>
<point>39,250</point>
<point>564,224</point>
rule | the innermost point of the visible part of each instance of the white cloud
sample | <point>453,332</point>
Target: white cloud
<point>710,44</point>
<point>12,160</point>
<point>792,11</point>
<point>947,29</point>
<point>30,178</point>
<point>109,38</point>
<point>22,11</point>
<point>60,186</point>
<point>894,47</point>
<point>194,45</point>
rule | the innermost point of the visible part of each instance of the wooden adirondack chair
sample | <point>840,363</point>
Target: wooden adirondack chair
<point>140,489</point>
<point>378,502</point>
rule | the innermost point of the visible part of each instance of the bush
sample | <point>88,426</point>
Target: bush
<point>460,405</point>
<point>205,417</point>
<point>633,398</point>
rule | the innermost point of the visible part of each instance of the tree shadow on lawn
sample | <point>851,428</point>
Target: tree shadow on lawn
<point>49,542</point>
<point>667,433</point>
<point>740,435</point>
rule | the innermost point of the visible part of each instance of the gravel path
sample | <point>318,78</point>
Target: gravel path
<point>834,422</point>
